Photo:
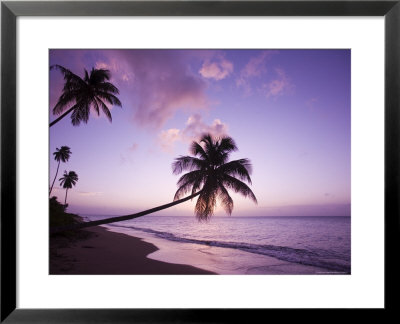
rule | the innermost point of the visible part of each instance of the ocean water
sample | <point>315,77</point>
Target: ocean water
<point>247,245</point>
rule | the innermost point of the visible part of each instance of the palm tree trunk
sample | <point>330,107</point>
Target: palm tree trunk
<point>54,178</point>
<point>61,117</point>
<point>54,230</point>
<point>66,193</point>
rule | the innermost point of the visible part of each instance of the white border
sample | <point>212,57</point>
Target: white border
<point>363,288</point>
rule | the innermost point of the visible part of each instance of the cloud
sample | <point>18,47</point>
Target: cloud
<point>218,69</point>
<point>255,67</point>
<point>102,65</point>
<point>194,129</point>
<point>280,85</point>
<point>118,70</point>
<point>126,156</point>
<point>167,139</point>
<point>90,193</point>
<point>133,147</point>
<point>160,82</point>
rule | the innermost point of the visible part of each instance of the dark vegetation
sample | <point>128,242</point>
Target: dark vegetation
<point>60,217</point>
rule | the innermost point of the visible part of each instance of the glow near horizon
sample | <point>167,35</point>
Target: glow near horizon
<point>287,110</point>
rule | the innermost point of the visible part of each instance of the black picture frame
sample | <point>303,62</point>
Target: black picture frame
<point>10,10</point>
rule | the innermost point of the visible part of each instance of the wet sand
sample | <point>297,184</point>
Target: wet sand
<point>104,252</point>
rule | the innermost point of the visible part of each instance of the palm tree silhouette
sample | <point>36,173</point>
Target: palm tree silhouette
<point>93,91</point>
<point>210,176</point>
<point>68,181</point>
<point>210,170</point>
<point>61,154</point>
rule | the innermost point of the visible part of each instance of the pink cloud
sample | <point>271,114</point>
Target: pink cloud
<point>255,67</point>
<point>217,70</point>
<point>90,193</point>
<point>133,147</point>
<point>280,85</point>
<point>119,70</point>
<point>194,129</point>
<point>161,85</point>
<point>167,138</point>
<point>128,154</point>
<point>102,65</point>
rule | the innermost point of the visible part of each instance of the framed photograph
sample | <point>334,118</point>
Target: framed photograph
<point>203,161</point>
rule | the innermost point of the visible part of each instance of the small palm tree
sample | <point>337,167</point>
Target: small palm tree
<point>93,91</point>
<point>61,154</point>
<point>68,181</point>
<point>210,176</point>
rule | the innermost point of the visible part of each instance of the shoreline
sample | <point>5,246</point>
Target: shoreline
<point>104,252</point>
<point>222,260</point>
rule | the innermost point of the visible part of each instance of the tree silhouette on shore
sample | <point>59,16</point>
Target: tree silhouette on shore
<point>93,91</point>
<point>60,155</point>
<point>210,176</point>
<point>68,181</point>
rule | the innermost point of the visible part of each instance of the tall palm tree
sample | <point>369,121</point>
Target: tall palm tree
<point>61,154</point>
<point>68,181</point>
<point>210,176</point>
<point>93,91</point>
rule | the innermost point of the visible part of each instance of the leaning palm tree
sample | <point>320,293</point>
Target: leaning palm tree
<point>67,182</point>
<point>80,95</point>
<point>61,154</point>
<point>210,176</point>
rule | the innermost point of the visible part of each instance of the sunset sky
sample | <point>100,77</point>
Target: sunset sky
<point>287,110</point>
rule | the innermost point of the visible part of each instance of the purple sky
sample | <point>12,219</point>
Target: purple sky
<point>287,110</point>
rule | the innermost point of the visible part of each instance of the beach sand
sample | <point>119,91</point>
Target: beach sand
<point>104,252</point>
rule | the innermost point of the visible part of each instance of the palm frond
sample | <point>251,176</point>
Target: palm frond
<point>96,107</point>
<point>205,205</point>
<point>192,177</point>
<point>238,168</point>
<point>227,145</point>
<point>226,199</point>
<point>197,149</point>
<point>69,76</point>
<point>111,99</point>
<point>86,78</point>
<point>189,182</point>
<point>99,75</point>
<point>238,187</point>
<point>183,190</point>
<point>64,100</point>
<point>187,163</point>
<point>107,87</point>
<point>209,146</point>
<point>80,114</point>
<point>198,184</point>
<point>105,109</point>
